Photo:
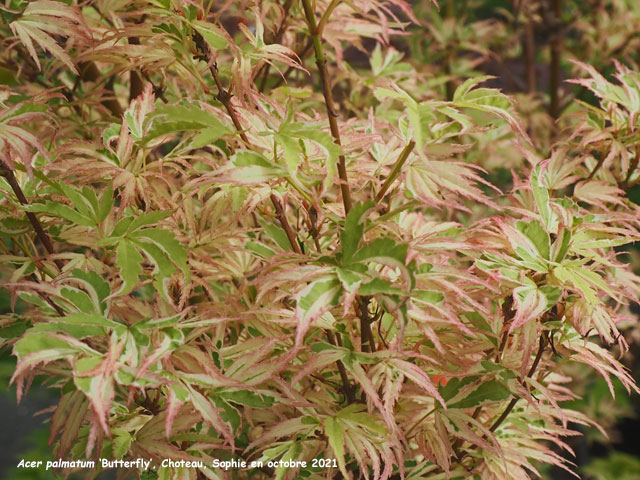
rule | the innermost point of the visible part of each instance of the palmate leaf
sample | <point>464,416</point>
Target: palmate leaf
<point>315,299</point>
<point>334,430</point>
<point>185,117</point>
<point>17,142</point>
<point>310,132</point>
<point>431,180</point>
<point>44,18</point>
<point>159,246</point>
<point>488,100</point>
<point>35,348</point>
<point>94,377</point>
<point>129,260</point>
<point>530,302</point>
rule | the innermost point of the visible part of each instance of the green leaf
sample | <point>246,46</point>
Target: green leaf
<point>164,268</point>
<point>385,251</point>
<point>427,296</point>
<point>335,433</point>
<point>248,398</point>
<point>168,243</point>
<point>538,235</point>
<point>131,223</point>
<point>96,286</point>
<point>212,34</point>
<point>42,342</point>
<point>541,196</point>
<point>156,323</point>
<point>313,300</point>
<point>491,391</point>
<point>317,295</point>
<point>78,298</point>
<point>351,234</point>
<point>561,245</point>
<point>452,387</point>
<point>105,205</point>
<point>129,260</point>
<point>59,210</point>
<point>291,454</point>
<point>251,167</point>
<point>321,138</point>
<point>184,118</point>
<point>379,285</point>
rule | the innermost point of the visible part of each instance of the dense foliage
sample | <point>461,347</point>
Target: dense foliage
<point>227,250</point>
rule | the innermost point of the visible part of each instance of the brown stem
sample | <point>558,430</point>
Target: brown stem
<point>367,342</point>
<point>514,400</point>
<point>37,226</point>
<point>395,170</point>
<point>282,218</point>
<point>136,85</point>
<point>328,100</point>
<point>597,167</point>
<point>225,98</point>
<point>35,223</point>
<point>512,403</point>
<point>347,388</point>
<point>158,91</point>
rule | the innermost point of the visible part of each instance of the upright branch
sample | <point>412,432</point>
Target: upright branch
<point>224,96</point>
<point>367,343</point>
<point>37,226</point>
<point>328,99</point>
<point>35,223</point>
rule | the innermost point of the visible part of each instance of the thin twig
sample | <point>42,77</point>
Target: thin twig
<point>367,339</point>
<point>514,400</point>
<point>35,223</point>
<point>347,388</point>
<point>395,170</point>
<point>282,218</point>
<point>225,98</point>
<point>328,100</point>
<point>37,226</point>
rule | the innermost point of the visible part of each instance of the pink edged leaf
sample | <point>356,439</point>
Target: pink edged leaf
<point>419,377</point>
<point>210,415</point>
<point>318,297</point>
